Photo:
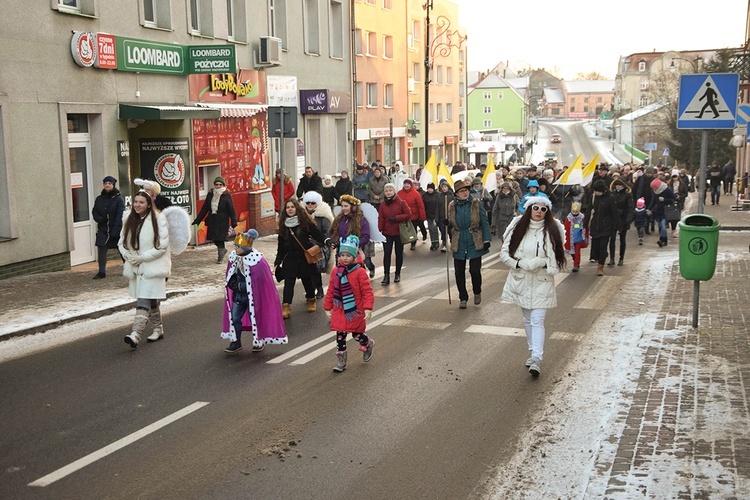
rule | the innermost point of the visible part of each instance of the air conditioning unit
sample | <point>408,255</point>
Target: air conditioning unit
<point>270,50</point>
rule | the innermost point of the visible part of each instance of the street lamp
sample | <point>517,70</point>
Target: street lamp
<point>443,44</point>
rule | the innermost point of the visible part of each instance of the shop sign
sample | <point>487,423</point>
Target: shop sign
<point>339,102</point>
<point>106,54</point>
<point>163,159</point>
<point>83,48</point>
<point>282,90</point>
<point>211,59</point>
<point>247,86</point>
<point>314,101</point>
<point>450,139</point>
<point>379,132</point>
<point>144,56</point>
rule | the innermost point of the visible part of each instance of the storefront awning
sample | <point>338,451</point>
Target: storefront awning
<point>234,110</point>
<point>138,112</point>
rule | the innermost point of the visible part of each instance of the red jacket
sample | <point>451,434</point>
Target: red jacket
<point>288,191</point>
<point>415,202</point>
<point>363,297</point>
<point>399,209</point>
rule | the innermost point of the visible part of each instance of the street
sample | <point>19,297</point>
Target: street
<point>443,400</point>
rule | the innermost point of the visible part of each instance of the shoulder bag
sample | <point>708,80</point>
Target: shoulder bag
<point>312,254</point>
<point>407,232</point>
<point>672,212</point>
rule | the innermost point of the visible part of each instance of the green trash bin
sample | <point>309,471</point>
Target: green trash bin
<point>699,243</point>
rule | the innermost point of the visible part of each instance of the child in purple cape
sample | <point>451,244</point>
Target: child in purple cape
<point>251,301</point>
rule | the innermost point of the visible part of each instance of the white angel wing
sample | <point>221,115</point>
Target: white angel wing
<point>462,176</point>
<point>178,222</point>
<point>371,214</point>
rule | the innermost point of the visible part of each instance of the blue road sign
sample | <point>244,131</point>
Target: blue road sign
<point>708,101</point>
<point>650,146</point>
<point>743,114</point>
<point>665,152</point>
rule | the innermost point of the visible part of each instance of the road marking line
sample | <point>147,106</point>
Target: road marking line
<point>117,445</point>
<point>326,336</point>
<point>411,323</point>
<point>496,330</point>
<point>379,321</point>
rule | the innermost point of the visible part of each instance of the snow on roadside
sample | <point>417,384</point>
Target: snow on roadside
<point>577,425</point>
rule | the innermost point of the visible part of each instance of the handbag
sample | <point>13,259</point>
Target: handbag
<point>672,212</point>
<point>278,273</point>
<point>322,264</point>
<point>312,254</point>
<point>407,232</point>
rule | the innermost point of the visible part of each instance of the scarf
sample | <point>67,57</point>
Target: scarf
<point>343,295</point>
<point>216,198</point>
<point>291,221</point>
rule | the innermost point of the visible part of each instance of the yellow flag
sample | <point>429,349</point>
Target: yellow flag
<point>489,180</point>
<point>444,173</point>
<point>429,174</point>
<point>590,170</point>
<point>568,178</point>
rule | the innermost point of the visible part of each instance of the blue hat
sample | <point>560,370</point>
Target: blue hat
<point>532,184</point>
<point>111,179</point>
<point>350,245</point>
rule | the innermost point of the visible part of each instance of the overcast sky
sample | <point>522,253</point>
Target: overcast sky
<point>581,36</point>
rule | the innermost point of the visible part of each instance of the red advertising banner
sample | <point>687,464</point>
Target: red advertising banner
<point>246,87</point>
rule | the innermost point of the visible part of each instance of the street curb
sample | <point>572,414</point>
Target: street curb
<point>89,315</point>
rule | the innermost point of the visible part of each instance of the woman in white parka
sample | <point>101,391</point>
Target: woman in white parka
<point>144,244</point>
<point>533,247</point>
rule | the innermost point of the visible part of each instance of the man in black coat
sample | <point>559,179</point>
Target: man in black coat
<point>715,176</point>
<point>730,171</point>
<point>311,181</point>
<point>107,213</point>
<point>602,221</point>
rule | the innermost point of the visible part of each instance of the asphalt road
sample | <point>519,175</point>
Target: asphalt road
<point>436,411</point>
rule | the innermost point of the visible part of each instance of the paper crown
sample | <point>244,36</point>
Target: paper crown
<point>246,239</point>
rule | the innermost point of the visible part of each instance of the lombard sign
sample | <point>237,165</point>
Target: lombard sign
<point>102,50</point>
<point>150,57</point>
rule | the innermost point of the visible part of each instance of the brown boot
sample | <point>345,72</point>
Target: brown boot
<point>286,310</point>
<point>311,307</point>
<point>600,270</point>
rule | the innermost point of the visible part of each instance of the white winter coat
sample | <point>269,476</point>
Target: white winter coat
<point>535,289</point>
<point>148,280</point>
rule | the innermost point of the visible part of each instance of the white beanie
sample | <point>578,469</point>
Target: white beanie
<point>313,197</point>
<point>531,200</point>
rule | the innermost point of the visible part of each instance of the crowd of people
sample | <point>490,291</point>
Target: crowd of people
<point>323,228</point>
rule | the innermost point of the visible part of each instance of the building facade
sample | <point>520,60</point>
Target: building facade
<point>178,92</point>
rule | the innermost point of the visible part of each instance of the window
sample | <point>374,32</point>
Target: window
<point>449,112</point>
<point>449,75</point>
<point>370,2</point>
<point>311,26</point>
<point>644,84</point>
<point>372,44</point>
<point>360,94</point>
<point>156,14</point>
<point>416,30</point>
<point>432,113</point>
<point>487,110</point>
<point>85,7</point>
<point>439,75</point>
<point>416,111</point>
<point>643,101</point>
<point>500,94</point>
<point>372,95</point>
<point>416,70</point>
<point>388,4</point>
<point>598,99</point>
<point>6,215</point>
<point>236,21</point>
<point>201,18</point>
<point>358,42</point>
<point>277,20</point>
<point>487,95</point>
<point>438,112</point>
<point>336,29</point>
<point>388,47</point>
<point>642,66</point>
<point>585,99</point>
<point>487,123</point>
<point>388,95</point>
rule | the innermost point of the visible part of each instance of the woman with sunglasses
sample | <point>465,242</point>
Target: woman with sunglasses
<point>533,248</point>
<point>323,216</point>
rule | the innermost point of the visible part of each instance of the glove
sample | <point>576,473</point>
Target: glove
<point>532,264</point>
<point>392,218</point>
<point>134,259</point>
<point>328,242</point>
<point>195,222</point>
<point>486,245</point>
<point>368,314</point>
<point>661,198</point>
<point>328,313</point>
<point>538,262</point>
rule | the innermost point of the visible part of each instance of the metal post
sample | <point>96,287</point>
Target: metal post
<point>427,64</point>
<point>282,201</point>
<point>701,194</point>
<point>696,301</point>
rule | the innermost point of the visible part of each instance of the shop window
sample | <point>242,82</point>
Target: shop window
<point>156,14</point>
<point>81,7</point>
<point>336,29</point>
<point>277,20</point>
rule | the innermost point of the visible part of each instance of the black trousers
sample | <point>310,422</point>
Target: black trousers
<point>388,244</point>
<point>599,249</point>
<point>475,270</point>
<point>623,236</point>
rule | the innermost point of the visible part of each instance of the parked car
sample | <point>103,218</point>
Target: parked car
<point>550,156</point>
<point>556,138</point>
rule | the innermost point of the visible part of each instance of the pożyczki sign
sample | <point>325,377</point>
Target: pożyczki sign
<point>106,51</point>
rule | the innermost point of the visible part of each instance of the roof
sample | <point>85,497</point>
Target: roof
<point>554,96</point>
<point>642,111</point>
<point>590,86</point>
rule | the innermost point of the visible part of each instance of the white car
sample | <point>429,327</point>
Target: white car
<point>550,155</point>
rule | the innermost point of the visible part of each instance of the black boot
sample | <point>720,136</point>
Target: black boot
<point>619,262</point>
<point>397,278</point>
<point>611,261</point>
<point>386,279</point>
<point>319,294</point>
<point>413,245</point>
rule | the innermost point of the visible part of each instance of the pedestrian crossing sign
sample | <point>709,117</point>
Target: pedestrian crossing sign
<point>708,101</point>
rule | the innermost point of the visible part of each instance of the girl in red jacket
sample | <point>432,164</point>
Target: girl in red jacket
<point>413,198</point>
<point>349,302</point>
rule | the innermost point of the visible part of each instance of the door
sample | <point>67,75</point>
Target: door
<point>84,227</point>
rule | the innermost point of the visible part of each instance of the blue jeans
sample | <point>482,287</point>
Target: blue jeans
<point>661,219</point>
<point>240,304</point>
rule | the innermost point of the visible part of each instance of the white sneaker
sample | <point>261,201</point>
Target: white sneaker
<point>535,368</point>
